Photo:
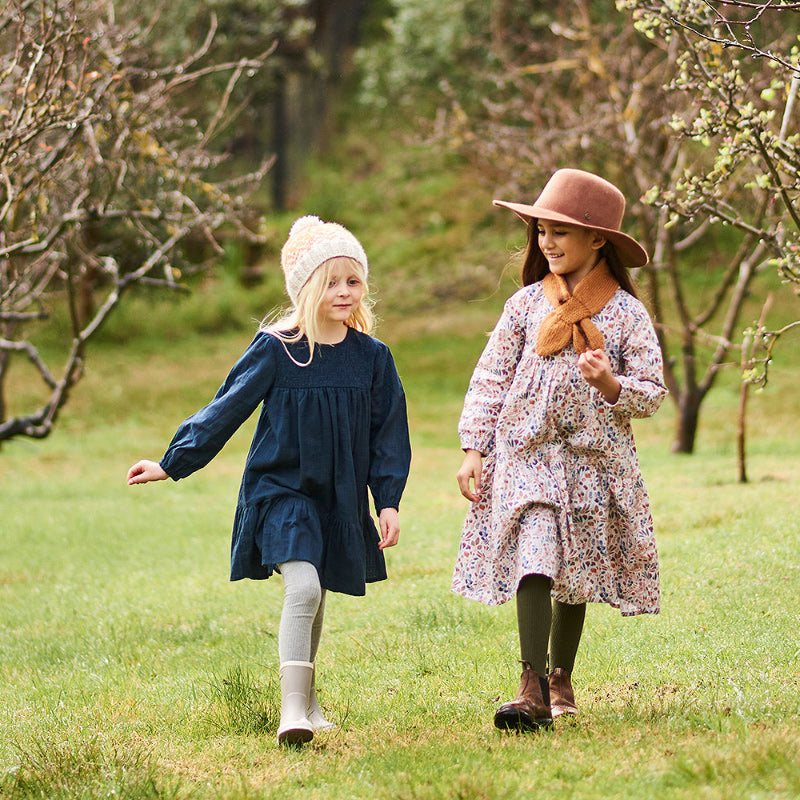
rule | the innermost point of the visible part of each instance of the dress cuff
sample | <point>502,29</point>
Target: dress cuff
<point>481,444</point>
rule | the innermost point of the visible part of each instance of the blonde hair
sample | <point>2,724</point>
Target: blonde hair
<point>302,319</point>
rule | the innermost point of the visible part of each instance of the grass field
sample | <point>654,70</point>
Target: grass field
<point>131,668</point>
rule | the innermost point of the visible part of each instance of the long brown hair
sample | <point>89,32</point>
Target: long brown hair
<point>535,266</point>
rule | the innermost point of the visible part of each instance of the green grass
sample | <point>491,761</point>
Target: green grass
<point>132,668</point>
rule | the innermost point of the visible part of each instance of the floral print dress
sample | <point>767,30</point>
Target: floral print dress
<point>562,492</point>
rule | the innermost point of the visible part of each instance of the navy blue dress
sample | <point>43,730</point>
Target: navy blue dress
<point>326,433</point>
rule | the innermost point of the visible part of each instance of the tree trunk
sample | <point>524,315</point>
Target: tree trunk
<point>4,362</point>
<point>686,428</point>
<point>741,433</point>
<point>85,305</point>
<point>302,92</point>
<point>6,331</point>
<point>279,171</point>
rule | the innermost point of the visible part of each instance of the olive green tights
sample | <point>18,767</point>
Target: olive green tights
<point>541,621</point>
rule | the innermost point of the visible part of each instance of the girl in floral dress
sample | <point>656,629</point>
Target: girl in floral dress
<point>332,426</point>
<point>560,516</point>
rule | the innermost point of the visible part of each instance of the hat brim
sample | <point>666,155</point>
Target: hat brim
<point>631,253</point>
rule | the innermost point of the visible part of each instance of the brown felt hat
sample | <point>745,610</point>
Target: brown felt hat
<point>580,198</point>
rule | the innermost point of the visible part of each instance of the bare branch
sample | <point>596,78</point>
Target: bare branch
<point>33,357</point>
<point>101,178</point>
<point>752,48</point>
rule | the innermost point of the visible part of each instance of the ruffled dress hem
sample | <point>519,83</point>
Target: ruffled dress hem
<point>346,554</point>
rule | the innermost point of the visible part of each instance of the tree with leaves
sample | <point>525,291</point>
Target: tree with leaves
<point>108,169</point>
<point>289,98</point>
<point>743,72</point>
<point>576,84</point>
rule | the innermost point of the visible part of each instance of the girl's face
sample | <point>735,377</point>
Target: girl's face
<point>571,251</point>
<point>342,295</point>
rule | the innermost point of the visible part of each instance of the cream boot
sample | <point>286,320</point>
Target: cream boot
<point>295,726</point>
<point>314,712</point>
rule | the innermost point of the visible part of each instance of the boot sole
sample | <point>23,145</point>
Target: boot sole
<point>518,721</point>
<point>295,736</point>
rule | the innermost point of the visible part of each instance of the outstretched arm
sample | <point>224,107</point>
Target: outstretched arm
<point>145,471</point>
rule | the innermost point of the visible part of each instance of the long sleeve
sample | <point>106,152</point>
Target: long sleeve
<point>390,449</point>
<point>200,437</point>
<point>642,371</point>
<point>491,380</point>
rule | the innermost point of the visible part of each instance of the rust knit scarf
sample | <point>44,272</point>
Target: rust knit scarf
<point>572,313</point>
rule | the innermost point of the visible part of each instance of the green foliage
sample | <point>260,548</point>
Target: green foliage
<point>429,229</point>
<point>427,47</point>
<point>245,29</point>
<point>739,68</point>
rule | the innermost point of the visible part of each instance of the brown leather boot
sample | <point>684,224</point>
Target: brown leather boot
<point>562,698</point>
<point>530,710</point>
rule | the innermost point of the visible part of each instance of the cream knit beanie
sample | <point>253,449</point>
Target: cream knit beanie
<point>311,243</point>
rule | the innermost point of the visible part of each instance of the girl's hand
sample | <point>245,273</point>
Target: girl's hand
<point>596,370</point>
<point>146,471</point>
<point>390,528</point>
<point>469,476</point>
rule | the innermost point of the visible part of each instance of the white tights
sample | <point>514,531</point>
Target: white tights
<point>303,612</point>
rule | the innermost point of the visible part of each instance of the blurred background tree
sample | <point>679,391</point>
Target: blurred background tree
<point>284,107</point>
<point>108,178</point>
<point>686,126</point>
<point>688,106</point>
<point>740,63</point>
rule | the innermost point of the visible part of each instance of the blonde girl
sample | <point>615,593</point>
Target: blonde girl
<point>560,516</point>
<point>332,427</point>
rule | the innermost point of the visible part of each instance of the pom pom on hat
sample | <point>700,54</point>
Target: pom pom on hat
<point>311,243</point>
<point>304,222</point>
